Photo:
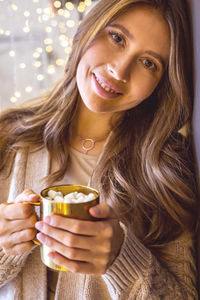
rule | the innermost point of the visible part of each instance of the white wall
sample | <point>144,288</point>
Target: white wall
<point>195,5</point>
<point>195,9</point>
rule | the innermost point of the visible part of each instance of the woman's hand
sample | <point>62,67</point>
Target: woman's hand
<point>87,247</point>
<point>17,224</point>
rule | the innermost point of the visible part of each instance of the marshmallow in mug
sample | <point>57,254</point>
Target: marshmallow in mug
<point>73,197</point>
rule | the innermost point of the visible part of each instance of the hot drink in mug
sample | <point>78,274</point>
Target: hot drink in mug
<point>72,201</point>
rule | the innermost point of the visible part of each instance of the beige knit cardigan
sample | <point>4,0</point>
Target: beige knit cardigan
<point>135,274</point>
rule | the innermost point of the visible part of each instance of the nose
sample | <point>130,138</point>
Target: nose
<point>120,69</point>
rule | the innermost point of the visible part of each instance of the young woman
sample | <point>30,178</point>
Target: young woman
<point>113,123</point>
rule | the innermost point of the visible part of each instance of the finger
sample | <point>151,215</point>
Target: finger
<point>19,248</point>
<point>68,252</point>
<point>27,196</point>
<point>11,226</point>
<point>17,211</point>
<point>18,238</point>
<point>76,266</point>
<point>102,210</point>
<point>65,237</point>
<point>82,227</point>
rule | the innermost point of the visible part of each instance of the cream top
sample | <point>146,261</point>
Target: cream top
<point>79,170</point>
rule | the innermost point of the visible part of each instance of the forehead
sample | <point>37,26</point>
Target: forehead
<point>148,27</point>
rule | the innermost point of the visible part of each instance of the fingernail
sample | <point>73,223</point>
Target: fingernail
<point>39,225</point>
<point>96,210</point>
<point>47,219</point>
<point>52,255</point>
<point>31,196</point>
<point>41,237</point>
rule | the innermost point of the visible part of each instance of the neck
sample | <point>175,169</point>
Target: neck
<point>89,130</point>
<point>93,125</point>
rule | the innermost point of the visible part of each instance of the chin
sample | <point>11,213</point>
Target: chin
<point>97,109</point>
<point>95,106</point>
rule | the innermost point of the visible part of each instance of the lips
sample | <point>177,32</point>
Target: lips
<point>107,86</point>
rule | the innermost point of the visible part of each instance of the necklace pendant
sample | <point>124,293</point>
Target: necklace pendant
<point>88,145</point>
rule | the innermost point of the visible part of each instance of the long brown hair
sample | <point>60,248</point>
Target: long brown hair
<point>145,170</point>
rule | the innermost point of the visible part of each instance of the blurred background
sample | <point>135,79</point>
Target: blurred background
<point>35,43</point>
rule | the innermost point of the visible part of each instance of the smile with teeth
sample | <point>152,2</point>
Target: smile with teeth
<point>105,87</point>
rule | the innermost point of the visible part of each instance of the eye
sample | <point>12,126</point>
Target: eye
<point>149,64</point>
<point>116,38</point>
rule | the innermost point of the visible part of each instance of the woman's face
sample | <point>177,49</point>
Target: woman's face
<point>126,61</point>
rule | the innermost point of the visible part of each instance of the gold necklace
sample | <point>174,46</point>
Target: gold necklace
<point>88,144</point>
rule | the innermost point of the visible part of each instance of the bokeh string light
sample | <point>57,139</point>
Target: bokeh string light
<point>49,26</point>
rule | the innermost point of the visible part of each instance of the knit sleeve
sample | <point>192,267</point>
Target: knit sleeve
<point>136,274</point>
<point>11,265</point>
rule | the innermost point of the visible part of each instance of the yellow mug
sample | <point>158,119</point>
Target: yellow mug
<point>70,210</point>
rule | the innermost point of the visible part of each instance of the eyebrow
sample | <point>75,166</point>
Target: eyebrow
<point>131,37</point>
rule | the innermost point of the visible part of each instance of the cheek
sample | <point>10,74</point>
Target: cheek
<point>143,87</point>
<point>83,80</point>
<point>84,68</point>
<point>97,54</point>
<point>82,71</point>
<point>148,90</point>
<point>92,58</point>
